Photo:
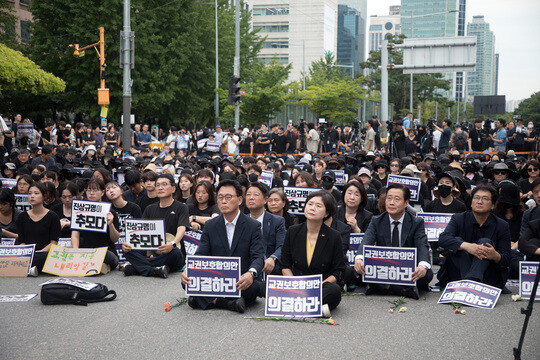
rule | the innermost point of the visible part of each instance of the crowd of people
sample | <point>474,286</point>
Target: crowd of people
<point>208,180</point>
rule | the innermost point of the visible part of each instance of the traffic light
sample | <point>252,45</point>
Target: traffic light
<point>234,90</point>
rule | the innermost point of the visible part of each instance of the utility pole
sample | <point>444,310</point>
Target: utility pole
<point>384,80</point>
<point>127,62</point>
<point>216,101</point>
<point>237,58</point>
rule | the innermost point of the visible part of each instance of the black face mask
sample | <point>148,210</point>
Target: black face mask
<point>327,185</point>
<point>444,190</point>
<point>253,177</point>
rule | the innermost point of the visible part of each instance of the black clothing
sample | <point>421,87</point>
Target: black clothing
<point>291,139</point>
<point>262,148</point>
<point>436,206</point>
<point>59,210</point>
<point>145,201</point>
<point>40,232</point>
<point>93,239</point>
<point>209,211</point>
<point>129,211</point>
<point>363,217</point>
<point>245,145</point>
<point>280,143</point>
<point>175,215</point>
<point>476,140</point>
<point>12,225</point>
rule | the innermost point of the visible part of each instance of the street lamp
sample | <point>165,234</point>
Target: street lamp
<point>412,36</point>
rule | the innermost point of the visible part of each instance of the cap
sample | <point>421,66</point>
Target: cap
<point>364,171</point>
<point>329,174</point>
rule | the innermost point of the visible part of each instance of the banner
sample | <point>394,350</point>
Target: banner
<point>16,298</point>
<point>266,178</point>
<point>15,260</point>
<point>412,183</point>
<point>341,177</point>
<point>389,265</point>
<point>64,242</point>
<point>472,293</point>
<point>291,296</point>
<point>201,143</point>
<point>297,198</point>
<point>89,215</point>
<point>527,273</point>
<point>25,128</point>
<point>356,239</point>
<point>74,262</point>
<point>21,202</point>
<point>191,241</point>
<point>434,224</point>
<point>212,146</point>
<point>8,241</point>
<point>214,276</point>
<point>143,234</point>
<point>73,282</point>
<point>8,183</point>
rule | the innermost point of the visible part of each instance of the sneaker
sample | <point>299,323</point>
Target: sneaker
<point>33,272</point>
<point>160,271</point>
<point>129,270</point>
<point>326,311</point>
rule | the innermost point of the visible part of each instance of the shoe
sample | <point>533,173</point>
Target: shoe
<point>160,272</point>
<point>351,288</point>
<point>33,272</point>
<point>192,303</point>
<point>370,290</point>
<point>238,305</point>
<point>411,292</point>
<point>326,311</point>
<point>105,269</point>
<point>129,270</point>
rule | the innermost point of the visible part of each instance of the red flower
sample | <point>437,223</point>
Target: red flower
<point>457,311</point>
<point>331,321</point>
<point>167,306</point>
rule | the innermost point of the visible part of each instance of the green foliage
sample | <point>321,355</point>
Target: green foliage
<point>8,36</point>
<point>325,70</point>
<point>174,74</point>
<point>427,87</point>
<point>20,73</point>
<point>529,109</point>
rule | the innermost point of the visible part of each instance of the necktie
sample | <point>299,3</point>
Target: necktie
<point>395,234</point>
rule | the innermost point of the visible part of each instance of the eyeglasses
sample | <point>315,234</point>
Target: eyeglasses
<point>163,184</point>
<point>227,197</point>
<point>532,169</point>
<point>483,198</point>
<point>394,165</point>
<point>500,172</point>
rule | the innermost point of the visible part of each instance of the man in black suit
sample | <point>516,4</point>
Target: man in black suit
<point>232,234</point>
<point>478,243</point>
<point>398,228</point>
<point>529,241</point>
<point>273,227</point>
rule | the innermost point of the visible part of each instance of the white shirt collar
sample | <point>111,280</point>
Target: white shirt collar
<point>234,220</point>
<point>400,219</point>
<point>260,218</point>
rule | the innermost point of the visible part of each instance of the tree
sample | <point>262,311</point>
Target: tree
<point>427,87</point>
<point>20,73</point>
<point>8,36</point>
<point>325,70</point>
<point>529,109</point>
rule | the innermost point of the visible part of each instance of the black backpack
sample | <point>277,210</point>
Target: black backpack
<point>54,294</point>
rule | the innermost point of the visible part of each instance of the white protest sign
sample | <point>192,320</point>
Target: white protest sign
<point>89,215</point>
<point>16,298</point>
<point>73,282</point>
<point>8,183</point>
<point>266,178</point>
<point>297,198</point>
<point>143,234</point>
<point>21,202</point>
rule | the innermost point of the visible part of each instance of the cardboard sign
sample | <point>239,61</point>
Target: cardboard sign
<point>16,298</point>
<point>191,241</point>
<point>266,178</point>
<point>214,276</point>
<point>297,198</point>
<point>8,183</point>
<point>412,183</point>
<point>74,262</point>
<point>143,234</point>
<point>15,260</point>
<point>527,273</point>
<point>291,296</point>
<point>389,265</point>
<point>21,202</point>
<point>64,242</point>
<point>434,224</point>
<point>73,282</point>
<point>356,239</point>
<point>341,177</point>
<point>470,293</point>
<point>89,215</point>
<point>7,241</point>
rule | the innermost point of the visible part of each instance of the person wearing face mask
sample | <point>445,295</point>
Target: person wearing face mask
<point>530,138</point>
<point>445,201</point>
<point>328,179</point>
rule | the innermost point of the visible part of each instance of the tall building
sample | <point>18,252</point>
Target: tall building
<point>496,75</point>
<point>436,18</point>
<point>482,80</point>
<point>298,32</point>
<point>24,19</point>
<point>395,10</point>
<point>351,28</point>
<point>380,26</point>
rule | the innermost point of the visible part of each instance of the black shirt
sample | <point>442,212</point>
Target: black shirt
<point>145,201</point>
<point>245,145</point>
<point>40,232</point>
<point>262,148</point>
<point>209,211</point>
<point>12,225</point>
<point>129,211</point>
<point>437,206</point>
<point>174,215</point>
<point>476,139</point>
<point>59,210</point>
<point>93,239</point>
<point>280,143</point>
<point>291,139</point>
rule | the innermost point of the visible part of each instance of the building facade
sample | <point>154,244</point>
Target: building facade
<point>482,80</point>
<point>351,29</point>
<point>298,32</point>
<point>24,19</point>
<point>380,26</point>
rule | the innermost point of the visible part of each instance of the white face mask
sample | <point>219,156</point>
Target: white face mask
<point>531,126</point>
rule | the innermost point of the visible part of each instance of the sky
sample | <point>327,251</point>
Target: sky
<point>516,26</point>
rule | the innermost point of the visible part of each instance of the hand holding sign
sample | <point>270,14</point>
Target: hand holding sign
<point>359,266</point>
<point>419,273</point>
<point>245,281</point>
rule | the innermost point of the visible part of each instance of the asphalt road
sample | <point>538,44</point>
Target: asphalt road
<point>135,326</point>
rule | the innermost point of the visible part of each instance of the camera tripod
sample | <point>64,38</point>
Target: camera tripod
<point>527,312</point>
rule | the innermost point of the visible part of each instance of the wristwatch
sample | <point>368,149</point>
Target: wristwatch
<point>254,274</point>
<point>194,218</point>
<point>173,244</point>
<point>274,257</point>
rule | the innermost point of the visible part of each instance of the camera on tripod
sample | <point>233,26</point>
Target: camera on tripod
<point>390,124</point>
<point>431,123</point>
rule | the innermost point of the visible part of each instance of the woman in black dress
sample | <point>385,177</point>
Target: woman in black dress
<point>353,211</point>
<point>68,192</point>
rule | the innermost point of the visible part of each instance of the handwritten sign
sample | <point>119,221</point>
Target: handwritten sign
<point>74,262</point>
<point>15,260</point>
<point>143,234</point>
<point>389,265</point>
<point>527,273</point>
<point>356,239</point>
<point>292,296</point>
<point>434,224</point>
<point>89,215</point>
<point>412,183</point>
<point>191,241</point>
<point>471,293</point>
<point>214,276</point>
<point>21,202</point>
<point>297,198</point>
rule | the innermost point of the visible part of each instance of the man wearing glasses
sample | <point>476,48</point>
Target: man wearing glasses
<point>175,214</point>
<point>232,234</point>
<point>478,243</point>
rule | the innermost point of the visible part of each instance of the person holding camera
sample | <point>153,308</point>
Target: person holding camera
<point>312,139</point>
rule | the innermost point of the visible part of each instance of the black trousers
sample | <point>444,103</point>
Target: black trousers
<point>422,284</point>
<point>39,259</point>
<point>174,260</point>
<point>111,259</point>
<point>331,294</point>
<point>249,295</point>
